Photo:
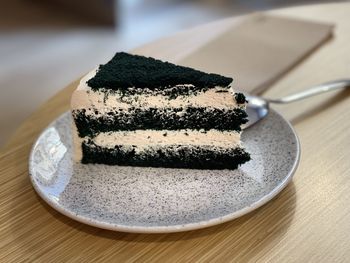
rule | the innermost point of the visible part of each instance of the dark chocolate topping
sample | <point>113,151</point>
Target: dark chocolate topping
<point>126,70</point>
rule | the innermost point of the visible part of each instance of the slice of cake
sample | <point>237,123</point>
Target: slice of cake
<point>140,111</point>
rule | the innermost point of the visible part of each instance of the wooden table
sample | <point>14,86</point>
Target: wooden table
<point>308,222</point>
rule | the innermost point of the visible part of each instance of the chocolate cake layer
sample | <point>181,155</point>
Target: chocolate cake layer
<point>159,119</point>
<point>172,156</point>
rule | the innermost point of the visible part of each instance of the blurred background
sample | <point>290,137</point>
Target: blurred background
<point>46,44</point>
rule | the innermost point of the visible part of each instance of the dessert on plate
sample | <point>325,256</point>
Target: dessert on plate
<point>140,111</point>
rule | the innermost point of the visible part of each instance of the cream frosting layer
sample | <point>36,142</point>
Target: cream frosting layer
<point>151,138</point>
<point>105,101</point>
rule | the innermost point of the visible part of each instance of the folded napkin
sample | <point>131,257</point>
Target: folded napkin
<point>259,50</point>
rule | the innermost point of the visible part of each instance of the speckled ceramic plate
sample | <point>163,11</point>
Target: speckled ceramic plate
<point>153,200</point>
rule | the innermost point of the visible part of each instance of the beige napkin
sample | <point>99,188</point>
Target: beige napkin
<point>259,50</point>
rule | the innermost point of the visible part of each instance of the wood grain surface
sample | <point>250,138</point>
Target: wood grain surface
<point>308,222</point>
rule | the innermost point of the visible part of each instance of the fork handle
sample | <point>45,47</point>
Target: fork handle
<point>319,89</point>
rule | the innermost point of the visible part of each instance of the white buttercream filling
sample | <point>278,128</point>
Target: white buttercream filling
<point>152,138</point>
